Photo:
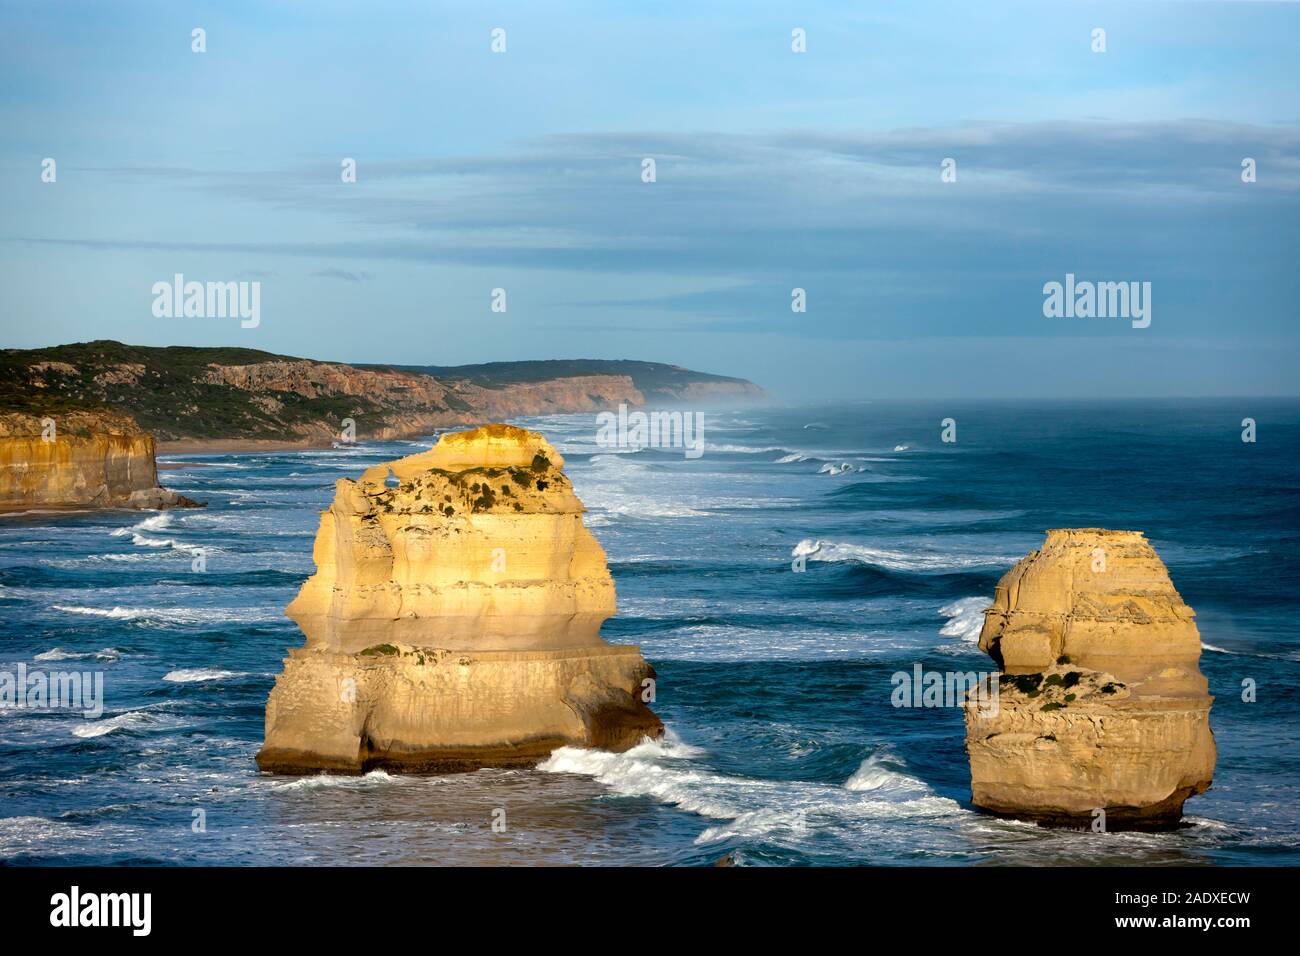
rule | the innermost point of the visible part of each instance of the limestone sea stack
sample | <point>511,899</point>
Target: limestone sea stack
<point>79,459</point>
<point>1102,705</point>
<point>453,621</point>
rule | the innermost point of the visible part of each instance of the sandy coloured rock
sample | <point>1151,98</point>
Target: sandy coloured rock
<point>80,459</point>
<point>453,621</point>
<point>1101,704</point>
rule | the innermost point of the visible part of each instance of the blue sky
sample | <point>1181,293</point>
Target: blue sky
<point>775,170</point>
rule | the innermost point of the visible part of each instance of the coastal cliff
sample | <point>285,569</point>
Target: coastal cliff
<point>79,459</point>
<point>1101,705</point>
<point>453,621</point>
<point>196,398</point>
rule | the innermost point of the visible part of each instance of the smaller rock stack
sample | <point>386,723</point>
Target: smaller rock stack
<point>1102,705</point>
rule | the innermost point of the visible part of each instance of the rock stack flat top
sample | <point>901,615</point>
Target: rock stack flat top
<point>479,544</point>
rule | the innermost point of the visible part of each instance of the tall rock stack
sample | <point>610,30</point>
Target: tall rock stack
<point>1102,705</point>
<point>453,621</point>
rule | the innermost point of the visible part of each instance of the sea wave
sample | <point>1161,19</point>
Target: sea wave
<point>965,618</point>
<point>740,449</point>
<point>157,615</point>
<point>141,531</point>
<point>834,551</point>
<point>130,720</point>
<point>610,500</point>
<point>831,457</point>
<point>784,810</point>
<point>152,523</point>
<point>875,775</point>
<point>374,778</point>
<point>59,654</point>
<point>192,675</point>
<point>622,463</point>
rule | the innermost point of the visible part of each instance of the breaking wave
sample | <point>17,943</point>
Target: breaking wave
<point>374,778</point>
<point>155,615</point>
<point>132,719</point>
<point>59,654</point>
<point>192,675</point>
<point>780,809</point>
<point>833,551</point>
<point>965,618</point>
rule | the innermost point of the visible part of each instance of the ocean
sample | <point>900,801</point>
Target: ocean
<point>783,746</point>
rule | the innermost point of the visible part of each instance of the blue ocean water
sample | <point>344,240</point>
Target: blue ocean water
<point>784,747</point>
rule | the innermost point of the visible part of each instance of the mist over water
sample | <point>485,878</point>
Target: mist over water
<point>783,745</point>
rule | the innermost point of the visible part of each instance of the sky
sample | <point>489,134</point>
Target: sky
<point>774,170</point>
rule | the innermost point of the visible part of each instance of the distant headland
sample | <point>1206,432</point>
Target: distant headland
<point>195,399</point>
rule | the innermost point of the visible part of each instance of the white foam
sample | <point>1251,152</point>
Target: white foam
<point>117,613</point>
<point>740,449</point>
<point>155,523</point>
<point>326,780</point>
<point>152,523</point>
<point>764,822</point>
<point>172,615</point>
<point>24,834</point>
<point>98,728</point>
<point>819,550</point>
<point>192,675</point>
<point>874,776</point>
<point>146,542</point>
<point>59,654</point>
<point>965,618</point>
<point>779,810</point>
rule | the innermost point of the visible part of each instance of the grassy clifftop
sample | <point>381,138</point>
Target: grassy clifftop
<point>163,389</point>
<point>234,393</point>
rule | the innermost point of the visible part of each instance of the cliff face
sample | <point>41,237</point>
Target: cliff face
<point>414,404</point>
<point>454,620</point>
<point>86,459</point>
<point>577,393</point>
<point>316,379</point>
<point>1102,704</point>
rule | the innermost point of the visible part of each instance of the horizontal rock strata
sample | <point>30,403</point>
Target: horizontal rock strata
<point>82,459</point>
<point>1102,705</point>
<point>454,620</point>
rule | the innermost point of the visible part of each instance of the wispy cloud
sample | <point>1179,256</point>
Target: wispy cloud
<point>344,274</point>
<point>863,222</point>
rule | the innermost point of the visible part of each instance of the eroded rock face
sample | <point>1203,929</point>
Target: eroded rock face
<point>81,459</point>
<point>1102,704</point>
<point>413,403</point>
<point>454,620</point>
